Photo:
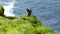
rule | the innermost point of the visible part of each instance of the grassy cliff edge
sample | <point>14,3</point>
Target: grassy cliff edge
<point>23,25</point>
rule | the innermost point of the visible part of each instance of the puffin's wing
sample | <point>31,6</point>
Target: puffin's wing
<point>28,10</point>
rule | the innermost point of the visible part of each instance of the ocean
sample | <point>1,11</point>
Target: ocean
<point>47,11</point>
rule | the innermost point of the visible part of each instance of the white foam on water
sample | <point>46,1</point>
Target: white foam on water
<point>9,9</point>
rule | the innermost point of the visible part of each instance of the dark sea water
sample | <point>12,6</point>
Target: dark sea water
<point>48,11</point>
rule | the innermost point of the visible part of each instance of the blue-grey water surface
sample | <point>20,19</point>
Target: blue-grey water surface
<point>48,11</point>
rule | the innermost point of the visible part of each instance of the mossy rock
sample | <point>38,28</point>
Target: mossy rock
<point>1,11</point>
<point>23,25</point>
<point>31,18</point>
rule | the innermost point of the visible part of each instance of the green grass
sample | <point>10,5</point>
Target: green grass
<point>23,25</point>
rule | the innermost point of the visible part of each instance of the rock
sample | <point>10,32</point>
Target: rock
<point>1,11</point>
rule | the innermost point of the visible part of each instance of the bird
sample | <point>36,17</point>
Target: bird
<point>29,11</point>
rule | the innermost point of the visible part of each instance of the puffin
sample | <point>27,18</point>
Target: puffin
<point>29,11</point>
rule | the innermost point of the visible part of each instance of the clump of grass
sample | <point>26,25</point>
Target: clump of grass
<point>11,18</point>
<point>2,11</point>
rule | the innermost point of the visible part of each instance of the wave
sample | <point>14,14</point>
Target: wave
<point>9,9</point>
